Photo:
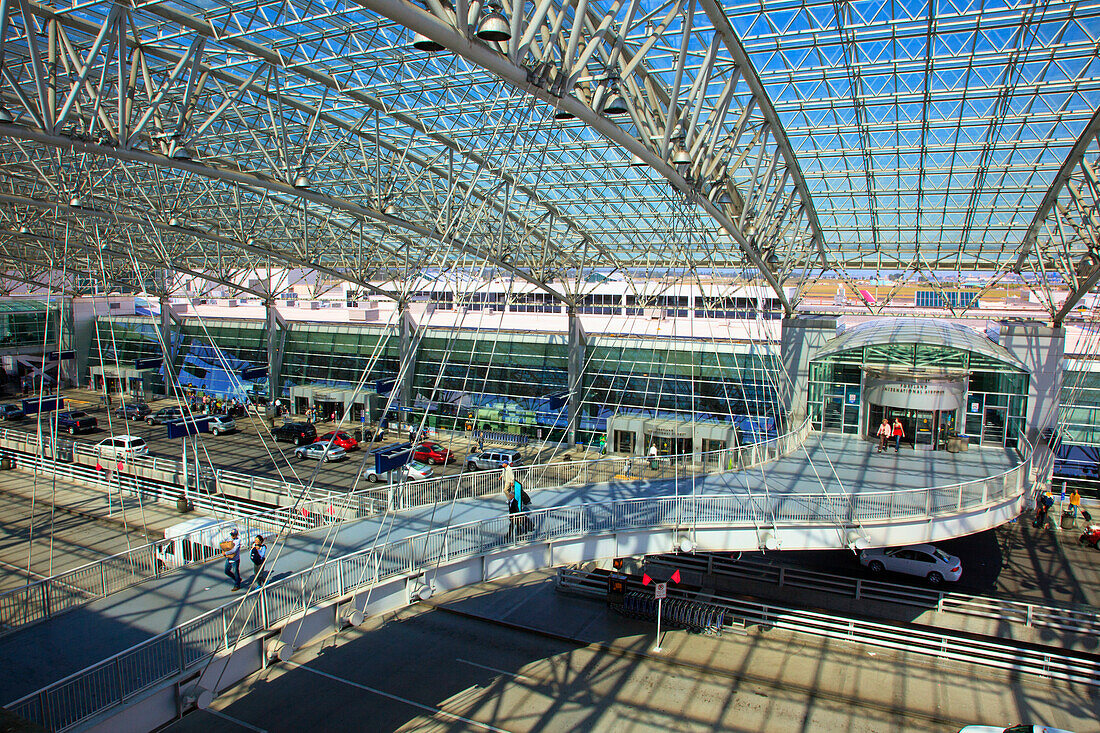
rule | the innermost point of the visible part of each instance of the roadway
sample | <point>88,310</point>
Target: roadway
<point>514,655</point>
<point>48,651</point>
<point>53,538</point>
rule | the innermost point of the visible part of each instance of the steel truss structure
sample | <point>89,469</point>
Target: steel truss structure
<point>374,141</point>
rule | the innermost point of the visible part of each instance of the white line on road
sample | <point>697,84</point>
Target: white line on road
<point>231,719</point>
<point>429,708</point>
<point>494,669</point>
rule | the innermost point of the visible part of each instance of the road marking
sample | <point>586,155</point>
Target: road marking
<point>231,719</point>
<point>391,696</point>
<point>498,671</point>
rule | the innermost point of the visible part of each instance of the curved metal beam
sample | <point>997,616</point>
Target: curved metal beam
<point>274,186</point>
<point>426,24</point>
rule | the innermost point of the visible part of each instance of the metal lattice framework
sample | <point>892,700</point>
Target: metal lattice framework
<point>166,141</point>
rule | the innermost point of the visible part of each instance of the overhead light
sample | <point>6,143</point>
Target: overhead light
<point>768,540</point>
<point>173,222</point>
<point>723,231</point>
<point>686,545</point>
<point>76,201</point>
<point>5,115</point>
<point>493,26</point>
<point>856,541</point>
<point>563,114</point>
<point>615,104</point>
<point>423,43</point>
<point>636,160</point>
<point>302,181</point>
<point>180,153</point>
<point>681,157</point>
<point>390,210</point>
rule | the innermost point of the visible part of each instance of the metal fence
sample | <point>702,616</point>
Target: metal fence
<point>115,680</point>
<point>43,598</point>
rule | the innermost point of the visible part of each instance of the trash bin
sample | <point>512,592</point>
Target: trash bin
<point>359,434</point>
<point>1069,520</point>
<point>5,463</point>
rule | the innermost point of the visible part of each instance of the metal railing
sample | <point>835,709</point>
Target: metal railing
<point>38,600</point>
<point>1004,655</point>
<point>1060,618</point>
<point>113,681</point>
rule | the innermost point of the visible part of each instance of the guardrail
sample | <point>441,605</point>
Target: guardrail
<point>114,680</point>
<point>1070,619</point>
<point>1079,668</point>
<point>46,597</point>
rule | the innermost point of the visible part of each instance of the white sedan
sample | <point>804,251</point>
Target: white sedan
<point>924,561</point>
<point>413,471</point>
<point>320,451</point>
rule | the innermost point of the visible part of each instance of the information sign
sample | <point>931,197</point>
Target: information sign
<point>660,590</point>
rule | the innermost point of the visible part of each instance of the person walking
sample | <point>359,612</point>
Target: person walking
<point>257,555</point>
<point>231,551</point>
<point>883,434</point>
<point>1074,503</point>
<point>518,502</point>
<point>507,476</point>
<point>653,456</point>
<point>899,433</point>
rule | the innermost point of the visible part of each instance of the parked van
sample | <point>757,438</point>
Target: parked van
<point>194,540</point>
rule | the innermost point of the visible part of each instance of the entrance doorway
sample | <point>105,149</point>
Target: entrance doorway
<point>921,426</point>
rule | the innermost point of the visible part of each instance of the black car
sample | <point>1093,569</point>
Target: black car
<point>298,433</point>
<point>133,411</point>
<point>75,421</point>
<point>11,412</point>
<point>164,415</point>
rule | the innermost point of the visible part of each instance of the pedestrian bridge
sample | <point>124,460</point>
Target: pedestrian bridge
<point>129,659</point>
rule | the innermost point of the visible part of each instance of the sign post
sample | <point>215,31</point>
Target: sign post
<point>660,591</point>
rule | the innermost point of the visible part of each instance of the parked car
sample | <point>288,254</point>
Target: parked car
<point>298,433</point>
<point>221,424</point>
<point>414,471</point>
<point>340,438</point>
<point>924,561</point>
<point>433,453</point>
<point>122,446</point>
<point>75,421</point>
<point>325,451</point>
<point>1012,729</point>
<point>490,459</point>
<point>133,411</point>
<point>165,415</point>
<point>11,412</point>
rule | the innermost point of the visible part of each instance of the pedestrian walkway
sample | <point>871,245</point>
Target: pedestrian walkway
<point>46,652</point>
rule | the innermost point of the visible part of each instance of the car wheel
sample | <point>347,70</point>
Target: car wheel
<point>214,432</point>
<point>437,461</point>
<point>935,578</point>
<point>372,477</point>
<point>72,431</point>
<point>324,459</point>
<point>471,466</point>
<point>876,567</point>
<point>151,422</point>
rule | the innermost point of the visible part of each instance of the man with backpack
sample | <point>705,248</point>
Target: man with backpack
<point>518,503</point>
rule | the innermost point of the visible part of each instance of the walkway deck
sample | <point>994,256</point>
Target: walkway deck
<point>46,652</point>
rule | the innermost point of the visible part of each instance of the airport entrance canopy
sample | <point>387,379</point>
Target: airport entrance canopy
<point>150,146</point>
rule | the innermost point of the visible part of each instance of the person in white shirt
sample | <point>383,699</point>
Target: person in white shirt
<point>653,456</point>
<point>232,555</point>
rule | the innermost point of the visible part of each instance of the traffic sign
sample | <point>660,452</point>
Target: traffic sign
<point>660,590</point>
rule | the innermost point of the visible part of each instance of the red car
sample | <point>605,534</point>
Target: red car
<point>433,453</point>
<point>341,439</point>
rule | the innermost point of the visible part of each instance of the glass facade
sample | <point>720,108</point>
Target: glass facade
<point>1077,462</point>
<point>507,381</point>
<point>24,322</point>
<point>995,407</point>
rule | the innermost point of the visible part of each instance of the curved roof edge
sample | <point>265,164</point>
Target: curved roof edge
<point>932,332</point>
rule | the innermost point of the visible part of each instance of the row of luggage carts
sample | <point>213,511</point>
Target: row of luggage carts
<point>694,616</point>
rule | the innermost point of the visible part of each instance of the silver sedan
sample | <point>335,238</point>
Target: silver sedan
<point>323,451</point>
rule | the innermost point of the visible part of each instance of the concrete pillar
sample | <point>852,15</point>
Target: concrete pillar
<point>275,336</point>
<point>801,338</point>
<point>575,364</point>
<point>408,348</point>
<point>1041,349</point>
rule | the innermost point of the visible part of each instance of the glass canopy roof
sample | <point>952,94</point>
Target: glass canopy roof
<point>780,142</point>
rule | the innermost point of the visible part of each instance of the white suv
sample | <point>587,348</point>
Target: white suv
<point>122,446</point>
<point>490,459</point>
